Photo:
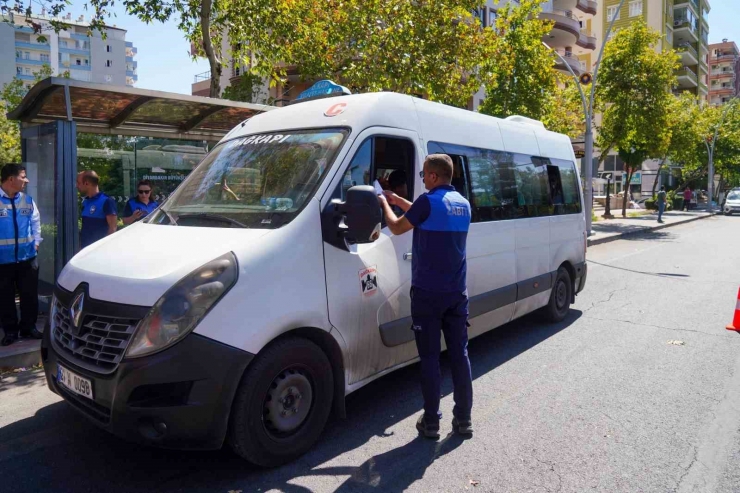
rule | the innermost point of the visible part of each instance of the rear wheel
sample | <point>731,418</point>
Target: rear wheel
<point>560,297</point>
<point>282,403</point>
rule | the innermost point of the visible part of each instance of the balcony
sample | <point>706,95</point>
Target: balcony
<point>74,51</point>
<point>684,31</point>
<point>687,78</point>
<point>703,88</point>
<point>26,77</point>
<point>688,53</point>
<point>587,40</point>
<point>32,46</point>
<point>721,75</point>
<point>724,91</point>
<point>129,59</point>
<point>587,6</point>
<point>693,4</point>
<point>86,68</point>
<point>566,30</point>
<point>132,74</point>
<point>573,62</point>
<point>203,77</point>
<point>81,37</point>
<point>30,61</point>
<point>725,57</point>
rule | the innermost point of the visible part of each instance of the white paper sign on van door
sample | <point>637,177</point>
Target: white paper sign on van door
<point>369,280</point>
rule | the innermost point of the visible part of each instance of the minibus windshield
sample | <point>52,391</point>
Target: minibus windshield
<point>256,181</point>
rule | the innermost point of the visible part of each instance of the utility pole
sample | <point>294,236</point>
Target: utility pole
<point>588,111</point>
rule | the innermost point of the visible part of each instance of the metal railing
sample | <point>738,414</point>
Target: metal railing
<point>687,72</point>
<point>689,49</point>
<point>202,77</point>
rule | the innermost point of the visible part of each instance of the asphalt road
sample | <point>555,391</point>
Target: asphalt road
<point>602,402</point>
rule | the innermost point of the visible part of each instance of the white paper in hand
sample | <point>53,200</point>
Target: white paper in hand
<point>378,188</point>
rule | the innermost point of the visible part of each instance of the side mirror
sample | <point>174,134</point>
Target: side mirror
<point>356,220</point>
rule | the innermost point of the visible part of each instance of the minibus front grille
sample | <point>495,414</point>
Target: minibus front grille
<point>98,345</point>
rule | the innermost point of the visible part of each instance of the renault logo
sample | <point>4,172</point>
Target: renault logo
<point>75,311</point>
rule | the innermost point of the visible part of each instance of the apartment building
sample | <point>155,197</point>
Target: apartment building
<point>685,28</point>
<point>724,63</point>
<point>572,37</point>
<point>86,56</point>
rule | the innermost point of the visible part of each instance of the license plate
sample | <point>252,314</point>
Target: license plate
<point>74,382</point>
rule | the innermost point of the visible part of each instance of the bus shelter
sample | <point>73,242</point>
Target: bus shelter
<point>125,134</point>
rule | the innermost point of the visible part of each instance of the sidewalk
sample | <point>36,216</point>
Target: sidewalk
<point>22,353</point>
<point>606,230</point>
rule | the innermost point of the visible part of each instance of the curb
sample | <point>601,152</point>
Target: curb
<point>608,239</point>
<point>24,355</point>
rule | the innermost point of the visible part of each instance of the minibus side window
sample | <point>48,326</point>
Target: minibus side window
<point>569,181</point>
<point>358,172</point>
<point>533,186</point>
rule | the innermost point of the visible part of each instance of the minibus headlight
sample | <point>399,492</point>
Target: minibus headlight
<point>185,304</point>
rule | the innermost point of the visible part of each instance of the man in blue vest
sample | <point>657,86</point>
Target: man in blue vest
<point>20,237</point>
<point>439,297</point>
<point>99,214</point>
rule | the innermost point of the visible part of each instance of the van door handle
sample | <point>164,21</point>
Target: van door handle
<point>407,256</point>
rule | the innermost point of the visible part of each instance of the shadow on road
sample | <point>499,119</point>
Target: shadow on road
<point>59,450</point>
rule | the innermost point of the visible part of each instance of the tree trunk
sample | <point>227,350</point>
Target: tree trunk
<point>626,188</point>
<point>655,183</point>
<point>213,60</point>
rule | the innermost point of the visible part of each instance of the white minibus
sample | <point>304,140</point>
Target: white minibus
<point>267,287</point>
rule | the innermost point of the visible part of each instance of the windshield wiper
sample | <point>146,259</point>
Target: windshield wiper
<point>214,217</point>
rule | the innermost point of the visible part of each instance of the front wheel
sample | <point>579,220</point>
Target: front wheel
<point>560,297</point>
<point>282,403</point>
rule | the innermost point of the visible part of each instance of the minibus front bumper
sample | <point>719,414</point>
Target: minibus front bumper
<point>177,398</point>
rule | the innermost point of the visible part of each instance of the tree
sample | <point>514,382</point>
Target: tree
<point>431,48</point>
<point>685,135</point>
<point>246,89</point>
<point>634,98</point>
<point>11,96</point>
<point>520,68</point>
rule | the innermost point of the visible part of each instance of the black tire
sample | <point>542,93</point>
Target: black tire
<point>560,297</point>
<point>293,363</point>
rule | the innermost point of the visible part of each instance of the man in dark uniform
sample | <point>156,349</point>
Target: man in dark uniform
<point>99,218</point>
<point>439,300</point>
<point>20,236</point>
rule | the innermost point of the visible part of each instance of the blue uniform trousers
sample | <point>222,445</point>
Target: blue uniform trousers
<point>435,314</point>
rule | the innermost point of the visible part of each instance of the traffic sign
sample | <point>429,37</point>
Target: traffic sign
<point>585,79</point>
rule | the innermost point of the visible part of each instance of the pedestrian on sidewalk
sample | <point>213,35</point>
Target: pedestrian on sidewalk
<point>99,217</point>
<point>661,203</point>
<point>687,198</point>
<point>20,237</point>
<point>439,298</point>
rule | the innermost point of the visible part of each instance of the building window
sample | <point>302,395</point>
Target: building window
<point>78,62</point>
<point>44,57</point>
<point>109,63</point>
<point>27,71</point>
<point>108,49</point>
<point>26,56</point>
<point>87,62</point>
<point>492,18</point>
<point>19,70</point>
<point>612,34</point>
<point>636,8</point>
<point>18,54</point>
<point>612,13</point>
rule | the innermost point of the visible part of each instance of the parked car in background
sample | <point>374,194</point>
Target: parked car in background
<point>732,202</point>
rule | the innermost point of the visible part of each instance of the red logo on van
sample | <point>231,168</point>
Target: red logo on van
<point>336,109</point>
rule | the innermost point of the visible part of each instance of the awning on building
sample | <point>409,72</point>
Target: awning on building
<point>117,110</point>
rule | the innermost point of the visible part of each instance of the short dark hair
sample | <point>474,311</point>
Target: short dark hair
<point>397,178</point>
<point>10,170</point>
<point>91,177</point>
<point>146,183</point>
<point>440,164</point>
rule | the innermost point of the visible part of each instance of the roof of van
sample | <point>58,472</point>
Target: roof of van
<point>434,121</point>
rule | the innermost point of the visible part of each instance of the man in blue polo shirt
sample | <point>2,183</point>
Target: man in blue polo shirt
<point>99,215</point>
<point>439,299</point>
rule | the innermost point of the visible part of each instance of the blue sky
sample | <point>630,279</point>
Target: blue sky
<point>164,63</point>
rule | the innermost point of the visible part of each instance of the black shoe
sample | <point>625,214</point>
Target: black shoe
<point>429,430</point>
<point>25,334</point>
<point>9,339</point>
<point>462,427</point>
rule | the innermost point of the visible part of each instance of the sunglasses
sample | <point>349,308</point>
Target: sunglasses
<point>144,192</point>
<point>421,173</point>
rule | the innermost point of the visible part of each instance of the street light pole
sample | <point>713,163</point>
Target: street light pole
<point>588,110</point>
